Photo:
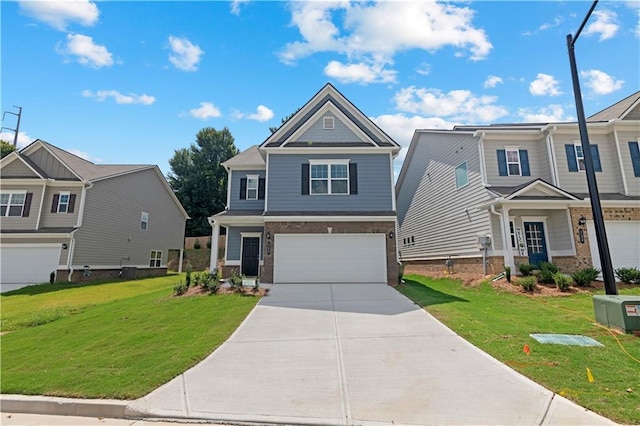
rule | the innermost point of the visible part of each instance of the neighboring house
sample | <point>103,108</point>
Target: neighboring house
<point>524,187</point>
<point>314,202</point>
<point>83,221</point>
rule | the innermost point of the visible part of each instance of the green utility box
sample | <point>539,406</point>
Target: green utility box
<point>618,312</point>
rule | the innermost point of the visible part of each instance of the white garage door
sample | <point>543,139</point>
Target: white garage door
<point>27,263</point>
<point>624,243</point>
<point>335,258</point>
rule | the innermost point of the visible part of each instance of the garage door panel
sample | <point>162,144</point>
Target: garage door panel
<point>330,258</point>
<point>624,243</point>
<point>28,264</point>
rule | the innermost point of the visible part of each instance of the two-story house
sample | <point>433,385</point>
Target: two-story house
<point>495,195</point>
<point>60,213</point>
<point>314,202</point>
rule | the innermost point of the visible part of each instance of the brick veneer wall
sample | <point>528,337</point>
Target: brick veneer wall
<point>373,227</point>
<point>472,265</point>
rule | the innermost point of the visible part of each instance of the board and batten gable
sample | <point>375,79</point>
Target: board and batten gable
<point>50,165</point>
<point>318,134</point>
<point>538,160</point>
<point>609,179</point>
<point>51,219</point>
<point>285,183</point>
<point>235,203</point>
<point>11,223</point>
<point>17,169</point>
<point>111,234</point>
<point>437,219</point>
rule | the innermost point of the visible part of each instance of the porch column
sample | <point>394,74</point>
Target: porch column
<point>508,250</point>
<point>180,260</point>
<point>214,246</point>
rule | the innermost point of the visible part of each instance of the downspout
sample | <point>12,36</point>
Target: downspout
<point>44,189</point>
<point>83,196</point>
<point>622,173</point>
<point>553,158</point>
<point>72,248</point>
<point>508,260</point>
<point>482,159</point>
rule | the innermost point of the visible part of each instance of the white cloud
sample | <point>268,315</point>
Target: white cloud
<point>235,6</point>
<point>544,84</point>
<point>401,127</point>
<point>492,81</point>
<point>23,138</point>
<point>359,73</point>
<point>459,105</point>
<point>262,114</point>
<point>548,114</point>
<point>373,32</point>
<point>605,24</point>
<point>556,21</point>
<point>600,82</point>
<point>86,51</point>
<point>119,98</point>
<point>85,156</point>
<point>205,111</point>
<point>425,69</point>
<point>61,13</point>
<point>186,55</point>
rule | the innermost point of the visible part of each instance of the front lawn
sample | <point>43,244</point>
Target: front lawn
<point>500,322</point>
<point>114,340</point>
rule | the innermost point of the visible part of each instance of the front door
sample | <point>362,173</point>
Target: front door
<point>536,245</point>
<point>250,256</point>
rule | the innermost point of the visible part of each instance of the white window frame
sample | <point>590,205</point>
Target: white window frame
<point>329,179</point>
<point>328,123</point>
<point>144,221</point>
<point>62,204</point>
<point>250,178</point>
<point>155,259</point>
<point>579,157</point>
<point>516,149</point>
<point>10,204</point>
<point>466,168</point>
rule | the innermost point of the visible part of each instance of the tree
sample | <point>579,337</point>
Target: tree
<point>284,120</point>
<point>6,148</point>
<point>199,180</point>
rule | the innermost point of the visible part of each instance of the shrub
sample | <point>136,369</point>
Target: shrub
<point>209,243</point>
<point>235,280</point>
<point>196,278</point>
<point>218,274</point>
<point>563,282</point>
<point>525,269</point>
<point>196,245</point>
<point>52,277</point>
<point>547,270</point>
<point>584,277</point>
<point>628,275</point>
<point>210,282</point>
<point>528,283</point>
<point>188,277</point>
<point>256,286</point>
<point>507,273</point>
<point>180,288</point>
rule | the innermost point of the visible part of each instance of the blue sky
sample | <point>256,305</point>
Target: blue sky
<point>130,82</point>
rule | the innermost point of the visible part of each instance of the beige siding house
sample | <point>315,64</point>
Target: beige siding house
<point>83,221</point>
<point>488,196</point>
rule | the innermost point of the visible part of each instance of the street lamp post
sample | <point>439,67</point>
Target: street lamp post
<point>594,196</point>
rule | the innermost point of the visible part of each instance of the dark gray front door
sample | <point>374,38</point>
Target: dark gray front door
<point>536,244</point>
<point>250,256</point>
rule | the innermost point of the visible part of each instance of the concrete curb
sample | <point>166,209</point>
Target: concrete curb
<point>51,405</point>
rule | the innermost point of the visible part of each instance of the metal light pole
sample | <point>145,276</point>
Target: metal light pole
<point>594,196</point>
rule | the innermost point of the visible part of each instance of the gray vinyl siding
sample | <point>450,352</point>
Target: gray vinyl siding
<point>234,240</point>
<point>111,231</point>
<point>374,184</point>
<point>50,220</point>
<point>609,180</point>
<point>317,134</point>
<point>633,182</point>
<point>17,169</point>
<point>496,232</point>
<point>23,223</point>
<point>442,219</point>
<point>557,228</point>
<point>538,161</point>
<point>50,165</point>
<point>234,200</point>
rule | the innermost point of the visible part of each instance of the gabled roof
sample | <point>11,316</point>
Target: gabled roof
<point>15,156</point>
<point>250,157</point>
<point>535,189</point>
<point>619,110</point>
<point>330,95</point>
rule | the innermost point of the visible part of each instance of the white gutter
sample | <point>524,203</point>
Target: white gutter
<point>44,189</point>
<point>622,173</point>
<point>228,187</point>
<point>82,203</point>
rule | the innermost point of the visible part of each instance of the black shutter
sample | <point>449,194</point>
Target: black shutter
<point>502,163</point>
<point>54,204</point>
<point>72,203</point>
<point>595,158</point>
<point>243,188</point>
<point>353,178</point>
<point>524,162</point>
<point>305,179</point>
<point>634,149</point>
<point>27,204</point>
<point>261,184</point>
<point>572,161</point>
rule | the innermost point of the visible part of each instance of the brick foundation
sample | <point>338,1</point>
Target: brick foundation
<point>62,275</point>
<point>472,265</point>
<point>273,228</point>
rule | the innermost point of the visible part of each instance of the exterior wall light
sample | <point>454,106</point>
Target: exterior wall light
<point>391,234</point>
<point>64,246</point>
<point>268,235</point>
<point>582,221</point>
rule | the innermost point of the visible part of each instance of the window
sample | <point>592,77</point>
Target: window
<point>512,232</point>
<point>12,203</point>
<point>575,157</point>
<point>144,221</point>
<point>63,202</point>
<point>634,148</point>
<point>252,187</point>
<point>327,123</point>
<point>462,178</point>
<point>579,157</point>
<point>329,178</point>
<point>513,162</point>
<point>156,258</point>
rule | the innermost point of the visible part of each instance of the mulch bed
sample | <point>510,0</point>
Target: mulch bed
<point>245,291</point>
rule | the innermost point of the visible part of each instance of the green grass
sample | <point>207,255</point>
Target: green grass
<point>117,340</point>
<point>499,323</point>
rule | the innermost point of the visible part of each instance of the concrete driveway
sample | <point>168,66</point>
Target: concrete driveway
<point>353,354</point>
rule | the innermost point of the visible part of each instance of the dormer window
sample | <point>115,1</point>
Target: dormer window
<point>327,123</point>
